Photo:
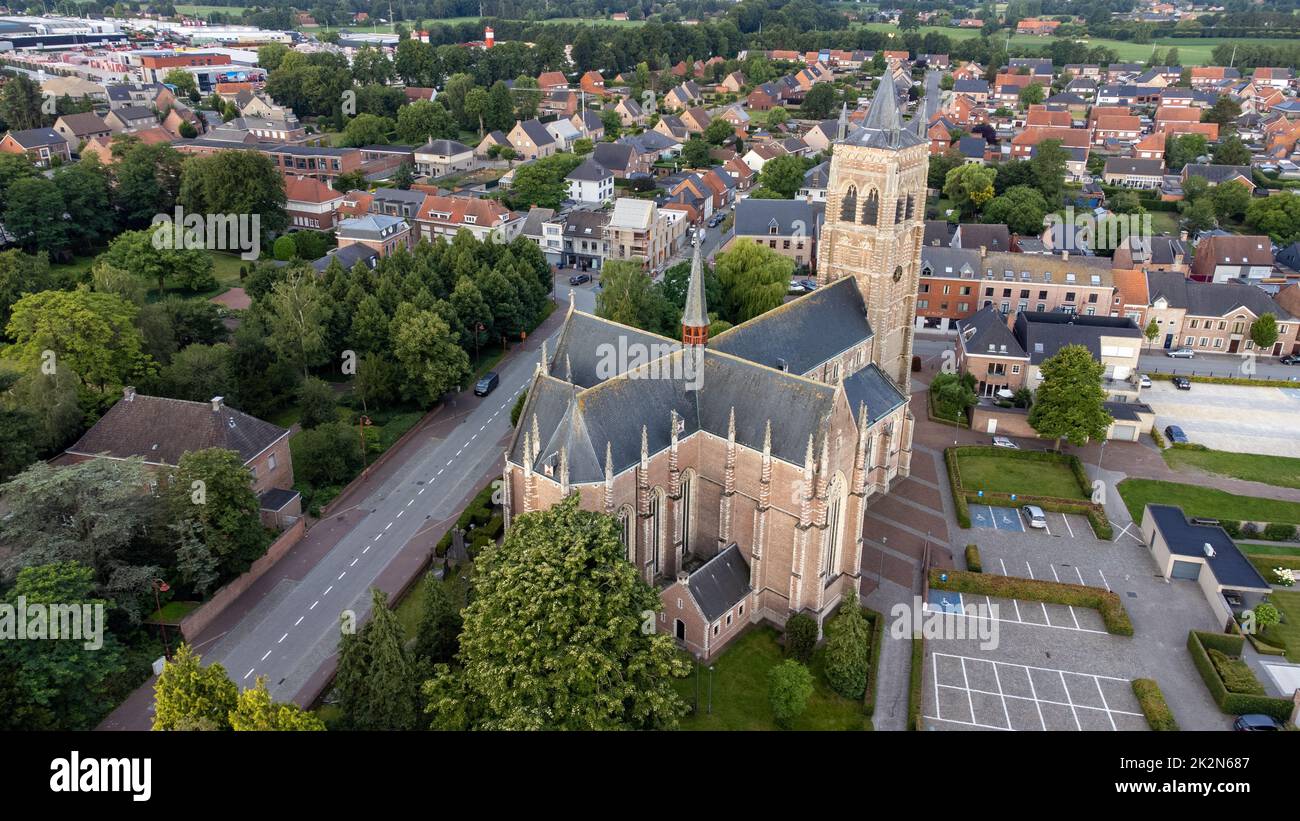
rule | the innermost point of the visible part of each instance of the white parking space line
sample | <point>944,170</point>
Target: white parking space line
<point>1070,699</point>
<point>1105,704</point>
<point>1065,519</point>
<point>1103,580</point>
<point>1079,573</point>
<point>930,608</point>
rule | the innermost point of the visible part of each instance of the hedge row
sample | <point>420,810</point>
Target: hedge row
<point>942,420</point>
<point>1270,532</point>
<point>954,482</point>
<point>1105,602</point>
<point>1225,380</point>
<point>1159,716</point>
<point>1095,514</point>
<point>1198,644</point>
<point>877,639</point>
<point>914,688</point>
<point>480,512</point>
<point>973,563</point>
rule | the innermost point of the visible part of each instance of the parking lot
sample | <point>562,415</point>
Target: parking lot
<point>1212,415</point>
<point>1054,667</point>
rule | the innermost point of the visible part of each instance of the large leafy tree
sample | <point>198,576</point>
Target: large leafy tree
<point>1181,149</point>
<point>563,648</point>
<point>57,685</point>
<point>422,121</point>
<point>425,346</point>
<point>33,214</point>
<point>297,312</point>
<point>969,186</point>
<point>212,490</point>
<point>1021,208</point>
<point>235,183</point>
<point>190,696</point>
<point>21,274</point>
<point>783,174</point>
<point>1279,217</point>
<point>1231,151</point>
<point>1070,402</point>
<point>818,102</point>
<point>254,711</point>
<point>753,279</point>
<point>93,334</point>
<point>629,296</point>
<point>541,182</point>
<point>153,255</point>
<point>147,180</point>
<point>84,187</point>
<point>1048,169</point>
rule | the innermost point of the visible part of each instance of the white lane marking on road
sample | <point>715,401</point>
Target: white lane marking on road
<point>341,575</point>
<point>268,652</point>
<point>249,673</point>
<point>327,590</point>
<point>399,513</point>
<point>282,638</point>
<point>313,605</point>
<point>472,438</point>
<point>354,562</point>
<point>449,461</point>
<point>408,504</point>
<point>421,493</point>
<point>299,621</point>
<point>462,450</point>
<point>440,471</point>
<point>480,430</point>
<point>390,524</point>
<point>365,549</point>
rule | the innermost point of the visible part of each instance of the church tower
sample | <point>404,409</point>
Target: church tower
<point>875,223</point>
<point>695,317</point>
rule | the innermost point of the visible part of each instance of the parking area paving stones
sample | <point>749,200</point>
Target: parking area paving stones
<point>1211,415</point>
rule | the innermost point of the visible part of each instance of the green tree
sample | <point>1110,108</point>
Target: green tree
<point>20,103</point>
<point>695,153</point>
<point>1232,151</point>
<point>437,639</point>
<point>1070,403</point>
<point>34,215</point>
<point>327,455</point>
<point>13,167</point>
<point>198,373</point>
<point>377,683</point>
<point>184,82</point>
<point>92,334</point>
<point>848,648</point>
<point>789,686</point>
<point>818,102</point>
<point>190,696</point>
<point>84,188</point>
<point>777,115</point>
<point>1031,94</point>
<point>230,183</point>
<point>297,311</point>
<point>1021,208</point>
<point>719,131</point>
<point>1048,167</point>
<point>432,362</point>
<point>783,174</point>
<point>255,711</point>
<point>1279,217</point>
<point>1152,331</point>
<point>753,278</point>
<point>423,121</point>
<point>628,296</point>
<point>367,129</point>
<point>563,649</point>
<point>1225,112</point>
<point>318,402</point>
<point>541,182</point>
<point>1263,332</point>
<point>969,187</point>
<point>58,685</point>
<point>147,180</point>
<point>155,256</point>
<point>21,274</point>
<point>1231,199</point>
<point>1200,215</point>
<point>212,489</point>
<point>1180,149</point>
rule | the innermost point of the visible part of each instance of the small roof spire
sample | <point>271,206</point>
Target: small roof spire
<point>696,314</point>
<point>843,130</point>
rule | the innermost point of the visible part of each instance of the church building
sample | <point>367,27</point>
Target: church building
<point>740,467</point>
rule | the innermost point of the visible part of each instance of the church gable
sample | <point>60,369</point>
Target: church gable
<point>595,349</point>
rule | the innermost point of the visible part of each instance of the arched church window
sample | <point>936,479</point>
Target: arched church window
<point>834,529</point>
<point>656,529</point>
<point>911,205</point>
<point>871,209</point>
<point>900,207</point>
<point>627,533</point>
<point>849,204</point>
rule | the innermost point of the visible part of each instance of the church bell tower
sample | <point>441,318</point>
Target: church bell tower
<point>875,222</point>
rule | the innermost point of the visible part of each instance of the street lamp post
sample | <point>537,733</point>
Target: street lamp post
<point>160,586</point>
<point>362,423</point>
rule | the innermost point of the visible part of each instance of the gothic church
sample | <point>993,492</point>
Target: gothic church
<point>740,466</point>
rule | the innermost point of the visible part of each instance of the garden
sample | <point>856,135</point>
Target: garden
<point>1054,481</point>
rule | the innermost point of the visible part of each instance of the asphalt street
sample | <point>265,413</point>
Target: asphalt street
<point>295,629</point>
<point>1219,364</point>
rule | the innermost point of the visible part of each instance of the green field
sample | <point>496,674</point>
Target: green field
<point>740,691</point>
<point>1192,51</point>
<point>388,28</point>
<point>998,473</point>
<point>200,10</point>
<point>1282,471</point>
<point>1203,501</point>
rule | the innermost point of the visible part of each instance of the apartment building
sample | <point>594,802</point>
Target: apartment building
<point>639,229</point>
<point>1213,317</point>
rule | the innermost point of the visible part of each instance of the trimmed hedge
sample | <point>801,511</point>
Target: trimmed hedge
<point>973,559</point>
<point>1095,514</point>
<point>1105,602</point>
<point>877,622</point>
<point>942,420</point>
<point>1225,380</point>
<point>1158,715</point>
<point>914,686</point>
<point>1198,644</point>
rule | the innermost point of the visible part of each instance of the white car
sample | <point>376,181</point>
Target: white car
<point>1004,442</point>
<point>1144,381</point>
<point>1034,516</point>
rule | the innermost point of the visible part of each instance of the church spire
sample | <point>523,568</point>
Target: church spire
<point>843,130</point>
<point>695,317</point>
<point>883,114</point>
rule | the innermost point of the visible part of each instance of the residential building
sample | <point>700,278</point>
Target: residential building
<point>1133,173</point>
<point>1232,257</point>
<point>789,227</point>
<point>311,204</point>
<point>585,247</point>
<point>531,140</point>
<point>590,183</point>
<point>81,128</point>
<point>439,158</point>
<point>1213,317</point>
<point>41,146</point>
<point>637,229</point>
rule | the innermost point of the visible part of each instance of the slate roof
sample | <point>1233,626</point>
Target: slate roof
<point>984,328</point>
<point>1215,174</point>
<point>161,430</point>
<point>870,386</point>
<point>589,171</point>
<point>938,232</point>
<point>818,176</point>
<point>883,126</point>
<point>35,137</point>
<point>720,583</point>
<point>537,133</point>
<point>1042,334</point>
<point>1230,568</point>
<point>443,148</point>
<point>756,217</point>
<point>1211,299</point>
<point>804,332</point>
<point>349,256</point>
<point>617,156</point>
<point>950,262</point>
<point>1131,165</point>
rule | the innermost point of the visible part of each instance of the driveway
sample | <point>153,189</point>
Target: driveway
<point>1231,417</point>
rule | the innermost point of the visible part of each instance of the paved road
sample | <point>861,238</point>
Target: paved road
<point>1212,364</point>
<point>933,96</point>
<point>292,632</point>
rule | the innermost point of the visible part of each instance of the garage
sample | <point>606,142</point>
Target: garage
<point>1185,570</point>
<point>1124,433</point>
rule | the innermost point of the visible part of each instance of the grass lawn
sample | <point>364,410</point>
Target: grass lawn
<point>1288,601</point>
<point>411,607</point>
<point>173,611</point>
<point>1265,563</point>
<point>1202,501</point>
<point>740,691</point>
<point>1006,474</point>
<point>1269,548</point>
<point>1164,222</point>
<point>202,10</point>
<point>1282,471</point>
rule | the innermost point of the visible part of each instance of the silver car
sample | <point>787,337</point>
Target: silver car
<point>1034,516</point>
<point>1181,353</point>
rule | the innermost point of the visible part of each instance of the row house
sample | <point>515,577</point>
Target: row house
<point>559,102</point>
<point>1023,143</point>
<point>381,234</point>
<point>1214,317</point>
<point>1278,78</point>
<point>81,128</point>
<point>42,146</point>
<point>1124,129</point>
<point>1150,147</point>
<point>1172,129</point>
<point>1233,258</point>
<point>311,204</point>
<point>1205,76</point>
<point>531,140</point>
<point>584,244</point>
<point>1130,172</point>
<point>639,229</point>
<point>1215,174</point>
<point>788,227</point>
<point>684,96</point>
<point>445,216</point>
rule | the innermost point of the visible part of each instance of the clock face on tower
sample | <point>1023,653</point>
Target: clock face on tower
<point>898,274</point>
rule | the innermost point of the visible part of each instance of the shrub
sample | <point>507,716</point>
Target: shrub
<point>316,400</point>
<point>1157,438</point>
<point>973,559</point>
<point>1279,532</point>
<point>789,684</point>
<point>1267,614</point>
<point>914,684</point>
<point>518,408</point>
<point>1235,674</point>
<point>848,648</point>
<point>877,623</point>
<point>800,637</point>
<point>1231,527</point>
<point>1159,716</point>
<point>328,454</point>
<point>1105,602</point>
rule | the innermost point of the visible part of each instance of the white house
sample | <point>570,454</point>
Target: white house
<point>590,183</point>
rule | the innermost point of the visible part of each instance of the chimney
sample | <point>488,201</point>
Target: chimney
<point>682,576</point>
<point>128,393</point>
<point>1065,254</point>
<point>217,402</point>
<point>984,251</point>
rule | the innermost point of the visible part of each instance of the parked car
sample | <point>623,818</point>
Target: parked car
<point>1144,381</point>
<point>1175,435</point>
<point>1181,353</point>
<point>809,285</point>
<point>487,384</point>
<point>580,279</point>
<point>797,287</point>
<point>1289,359</point>
<point>1034,516</point>
<point>1254,723</point>
<point>716,220</point>
<point>1004,442</point>
<point>1182,383</point>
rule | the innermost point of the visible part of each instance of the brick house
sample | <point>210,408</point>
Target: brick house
<point>41,146</point>
<point>1214,317</point>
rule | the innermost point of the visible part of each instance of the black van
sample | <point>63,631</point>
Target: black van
<point>487,384</point>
